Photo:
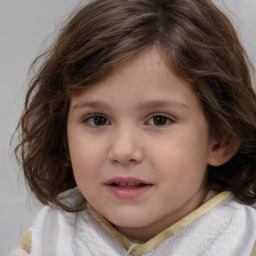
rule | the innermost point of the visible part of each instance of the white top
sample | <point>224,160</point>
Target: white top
<point>224,228</point>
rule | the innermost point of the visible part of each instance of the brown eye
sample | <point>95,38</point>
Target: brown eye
<point>97,120</point>
<point>159,120</point>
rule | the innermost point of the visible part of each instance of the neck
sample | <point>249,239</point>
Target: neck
<point>143,234</point>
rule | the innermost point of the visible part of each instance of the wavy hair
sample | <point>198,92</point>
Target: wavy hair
<point>198,43</point>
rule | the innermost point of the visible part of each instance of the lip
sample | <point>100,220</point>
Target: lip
<point>127,192</point>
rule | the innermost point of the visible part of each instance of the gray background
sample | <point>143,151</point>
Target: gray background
<point>24,26</point>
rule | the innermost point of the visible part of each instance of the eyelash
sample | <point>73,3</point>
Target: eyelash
<point>93,116</point>
<point>167,120</point>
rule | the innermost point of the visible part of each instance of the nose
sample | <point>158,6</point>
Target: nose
<point>125,147</point>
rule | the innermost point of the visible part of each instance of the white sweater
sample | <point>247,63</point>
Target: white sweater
<point>220,227</point>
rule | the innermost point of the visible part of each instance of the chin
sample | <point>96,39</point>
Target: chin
<point>129,222</point>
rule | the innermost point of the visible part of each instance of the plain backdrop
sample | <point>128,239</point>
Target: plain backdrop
<point>24,26</point>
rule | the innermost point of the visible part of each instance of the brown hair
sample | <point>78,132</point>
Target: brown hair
<point>196,40</point>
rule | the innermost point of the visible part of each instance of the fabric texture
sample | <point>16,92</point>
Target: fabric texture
<point>227,229</point>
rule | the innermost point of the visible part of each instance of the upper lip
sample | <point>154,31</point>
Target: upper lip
<point>126,180</point>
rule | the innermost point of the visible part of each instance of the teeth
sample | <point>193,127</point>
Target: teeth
<point>122,184</point>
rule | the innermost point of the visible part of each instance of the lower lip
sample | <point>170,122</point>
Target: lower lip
<point>128,193</point>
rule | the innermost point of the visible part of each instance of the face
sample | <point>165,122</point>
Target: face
<point>139,145</point>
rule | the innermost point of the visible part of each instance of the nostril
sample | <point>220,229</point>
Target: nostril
<point>125,153</point>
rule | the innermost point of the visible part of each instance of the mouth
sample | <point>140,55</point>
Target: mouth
<point>127,188</point>
<point>127,185</point>
<point>128,182</point>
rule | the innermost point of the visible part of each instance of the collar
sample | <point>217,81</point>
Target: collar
<point>147,247</point>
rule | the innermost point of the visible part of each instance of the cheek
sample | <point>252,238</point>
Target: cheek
<point>182,158</point>
<point>86,168</point>
<point>86,157</point>
<point>180,172</point>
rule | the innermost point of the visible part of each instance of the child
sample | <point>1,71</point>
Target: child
<point>139,134</point>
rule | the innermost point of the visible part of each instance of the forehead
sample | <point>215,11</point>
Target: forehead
<point>146,66</point>
<point>144,78</point>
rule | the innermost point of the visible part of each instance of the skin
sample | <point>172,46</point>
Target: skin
<point>141,122</point>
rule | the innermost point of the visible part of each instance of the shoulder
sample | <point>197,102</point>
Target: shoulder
<point>47,221</point>
<point>247,211</point>
<point>52,217</point>
<point>233,225</point>
<point>243,217</point>
<point>51,220</point>
<point>55,230</point>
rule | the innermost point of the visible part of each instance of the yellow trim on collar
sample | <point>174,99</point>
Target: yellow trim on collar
<point>26,240</point>
<point>253,253</point>
<point>140,249</point>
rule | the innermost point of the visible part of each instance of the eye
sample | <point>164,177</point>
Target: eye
<point>96,120</point>
<point>159,120</point>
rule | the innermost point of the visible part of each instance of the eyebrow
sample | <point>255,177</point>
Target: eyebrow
<point>164,103</point>
<point>146,104</point>
<point>91,104</point>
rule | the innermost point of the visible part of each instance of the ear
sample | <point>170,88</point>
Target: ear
<point>222,151</point>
